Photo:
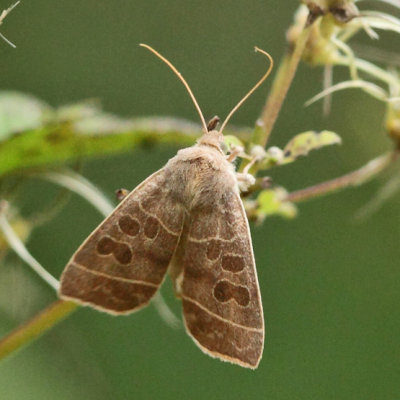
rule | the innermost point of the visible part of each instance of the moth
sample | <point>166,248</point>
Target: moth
<point>186,219</point>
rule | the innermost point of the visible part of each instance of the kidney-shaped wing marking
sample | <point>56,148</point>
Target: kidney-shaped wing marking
<point>220,293</point>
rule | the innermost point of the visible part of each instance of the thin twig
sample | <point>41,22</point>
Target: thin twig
<point>383,195</point>
<point>3,15</point>
<point>35,327</point>
<point>80,185</point>
<point>52,209</point>
<point>354,178</point>
<point>18,246</point>
<point>370,69</point>
<point>280,87</point>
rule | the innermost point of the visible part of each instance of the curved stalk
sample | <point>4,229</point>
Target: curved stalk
<point>36,327</point>
<point>280,86</point>
<point>357,177</point>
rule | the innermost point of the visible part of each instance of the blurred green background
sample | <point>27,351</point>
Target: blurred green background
<point>330,282</point>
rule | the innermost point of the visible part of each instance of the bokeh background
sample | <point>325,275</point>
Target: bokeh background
<point>330,282</point>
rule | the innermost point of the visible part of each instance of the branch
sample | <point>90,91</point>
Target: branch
<point>280,86</point>
<point>58,143</point>
<point>18,246</point>
<point>355,178</point>
<point>34,328</point>
<point>3,15</point>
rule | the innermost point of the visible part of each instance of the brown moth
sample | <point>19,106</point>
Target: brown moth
<point>186,219</point>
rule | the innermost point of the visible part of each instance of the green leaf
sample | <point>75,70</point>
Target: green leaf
<point>304,142</point>
<point>62,143</point>
<point>77,111</point>
<point>20,112</point>
<point>271,202</point>
<point>32,134</point>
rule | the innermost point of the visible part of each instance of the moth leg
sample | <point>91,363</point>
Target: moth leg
<point>245,181</point>
<point>120,194</point>
<point>235,151</point>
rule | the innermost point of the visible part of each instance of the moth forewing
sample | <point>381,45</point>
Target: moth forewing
<point>123,262</point>
<point>220,293</point>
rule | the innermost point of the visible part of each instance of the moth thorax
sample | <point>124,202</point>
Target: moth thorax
<point>212,138</point>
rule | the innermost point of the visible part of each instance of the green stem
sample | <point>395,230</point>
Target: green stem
<point>280,87</point>
<point>370,69</point>
<point>53,145</point>
<point>357,177</point>
<point>36,327</point>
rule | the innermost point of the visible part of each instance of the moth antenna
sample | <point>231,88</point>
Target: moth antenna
<point>178,74</point>
<point>265,76</point>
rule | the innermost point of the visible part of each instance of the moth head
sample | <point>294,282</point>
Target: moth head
<point>212,138</point>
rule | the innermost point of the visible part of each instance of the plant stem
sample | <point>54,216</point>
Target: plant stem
<point>18,246</point>
<point>80,185</point>
<point>357,177</point>
<point>34,328</point>
<point>370,69</point>
<point>280,87</point>
<point>56,144</point>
